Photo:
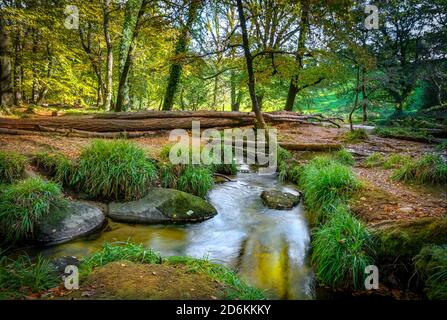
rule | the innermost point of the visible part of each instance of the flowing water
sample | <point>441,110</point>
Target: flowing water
<point>267,247</point>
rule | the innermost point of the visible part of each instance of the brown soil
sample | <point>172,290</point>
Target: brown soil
<point>126,280</point>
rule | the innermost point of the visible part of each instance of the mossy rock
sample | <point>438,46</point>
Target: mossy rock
<point>406,238</point>
<point>163,206</point>
<point>274,199</point>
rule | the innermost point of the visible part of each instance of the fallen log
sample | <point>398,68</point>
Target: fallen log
<point>311,146</point>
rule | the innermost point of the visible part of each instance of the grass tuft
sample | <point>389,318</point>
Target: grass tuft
<point>12,166</point>
<point>431,264</point>
<point>17,277</point>
<point>326,184</point>
<point>56,165</point>
<point>25,204</point>
<point>429,169</point>
<point>114,170</point>
<point>355,136</point>
<point>345,157</point>
<point>395,160</point>
<point>374,160</point>
<point>196,180</point>
<point>342,248</point>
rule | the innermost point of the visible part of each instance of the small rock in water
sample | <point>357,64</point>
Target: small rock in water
<point>280,200</point>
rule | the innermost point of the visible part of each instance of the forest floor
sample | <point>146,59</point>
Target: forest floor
<point>381,200</point>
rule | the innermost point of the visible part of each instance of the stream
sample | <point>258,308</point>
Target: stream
<point>268,248</point>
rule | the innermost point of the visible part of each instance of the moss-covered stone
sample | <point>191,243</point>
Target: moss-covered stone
<point>275,199</point>
<point>431,265</point>
<point>406,238</point>
<point>163,205</point>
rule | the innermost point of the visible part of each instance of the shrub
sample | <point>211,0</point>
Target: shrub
<point>113,170</point>
<point>196,180</point>
<point>345,157</point>
<point>431,264</point>
<point>56,165</point>
<point>342,248</point>
<point>395,160</point>
<point>374,160</point>
<point>116,252</point>
<point>354,136</point>
<point>326,184</point>
<point>397,132</point>
<point>25,204</point>
<point>442,146</point>
<point>22,274</point>
<point>430,169</point>
<point>12,166</point>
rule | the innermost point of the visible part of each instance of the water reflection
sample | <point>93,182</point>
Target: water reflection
<point>267,247</point>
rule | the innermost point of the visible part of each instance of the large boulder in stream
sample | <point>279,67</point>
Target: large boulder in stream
<point>163,206</point>
<point>77,220</point>
<point>278,200</point>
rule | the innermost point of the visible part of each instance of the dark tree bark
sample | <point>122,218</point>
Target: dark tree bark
<point>109,68</point>
<point>249,62</point>
<point>180,49</point>
<point>356,100</point>
<point>6,89</point>
<point>293,87</point>
<point>364,98</point>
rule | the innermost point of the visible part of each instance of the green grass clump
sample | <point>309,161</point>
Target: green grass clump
<point>374,160</point>
<point>342,248</point>
<point>442,147</point>
<point>18,277</point>
<point>116,252</point>
<point>290,173</point>
<point>344,157</point>
<point>431,264</point>
<point>238,289</point>
<point>429,169</point>
<point>395,160</point>
<point>113,170</point>
<point>25,204</point>
<point>196,180</point>
<point>12,166</point>
<point>56,165</point>
<point>355,136</point>
<point>326,184</point>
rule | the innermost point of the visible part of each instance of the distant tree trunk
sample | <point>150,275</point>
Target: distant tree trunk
<point>260,99</point>
<point>293,87</point>
<point>180,49</point>
<point>109,67</point>
<point>18,69</point>
<point>356,100</point>
<point>249,61</point>
<point>34,85</point>
<point>364,98</point>
<point>6,89</point>
<point>123,83</point>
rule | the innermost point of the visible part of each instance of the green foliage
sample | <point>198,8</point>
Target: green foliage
<point>395,160</point>
<point>345,157</point>
<point>429,169</point>
<point>25,204</point>
<point>355,136</point>
<point>168,175</point>
<point>239,289</point>
<point>12,166</point>
<point>196,180</point>
<point>113,170</point>
<point>56,165</point>
<point>341,249</point>
<point>116,252</point>
<point>431,264</point>
<point>23,274</point>
<point>326,184</point>
<point>442,146</point>
<point>374,160</point>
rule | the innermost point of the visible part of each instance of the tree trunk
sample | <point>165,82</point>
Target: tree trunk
<point>109,67</point>
<point>356,100</point>
<point>180,49</point>
<point>364,98</point>
<point>249,62</point>
<point>6,89</point>
<point>123,83</point>
<point>293,87</point>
